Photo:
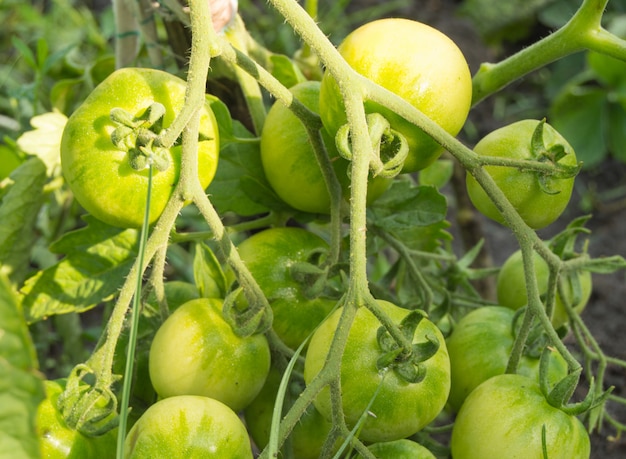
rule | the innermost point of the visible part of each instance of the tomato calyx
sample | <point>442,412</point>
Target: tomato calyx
<point>91,410</point>
<point>138,136</point>
<point>256,318</point>
<point>390,146</point>
<point>552,155</point>
<point>562,392</point>
<point>406,362</point>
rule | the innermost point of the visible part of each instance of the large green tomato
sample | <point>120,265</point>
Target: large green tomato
<point>307,437</point>
<point>107,178</point>
<point>401,408</point>
<point>58,441</point>
<point>538,205</point>
<point>196,352</point>
<point>479,348</point>
<point>414,61</point>
<point>270,255</point>
<point>188,427</point>
<point>400,449</point>
<point>504,418</point>
<point>511,287</point>
<point>289,160</point>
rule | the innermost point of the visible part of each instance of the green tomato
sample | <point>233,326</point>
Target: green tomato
<point>307,437</point>
<point>479,348</point>
<point>401,408</point>
<point>504,418</point>
<point>188,427</point>
<point>400,449</point>
<point>58,441</point>
<point>196,352</point>
<point>511,287</point>
<point>270,256</point>
<point>289,160</point>
<point>108,179</point>
<point>538,205</point>
<point>414,61</point>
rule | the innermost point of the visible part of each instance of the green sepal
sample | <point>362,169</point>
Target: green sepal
<point>255,319</point>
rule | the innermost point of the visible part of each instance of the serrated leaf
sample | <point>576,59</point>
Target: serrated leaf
<point>21,388</point>
<point>240,162</point>
<point>404,206</point>
<point>207,272</point>
<point>18,213</point>
<point>98,258</point>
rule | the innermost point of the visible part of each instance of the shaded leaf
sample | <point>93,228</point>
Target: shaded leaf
<point>98,258</point>
<point>21,388</point>
<point>18,213</point>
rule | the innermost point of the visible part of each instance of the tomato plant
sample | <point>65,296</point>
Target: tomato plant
<point>400,408</point>
<point>289,160</point>
<point>188,426</point>
<point>539,198</point>
<point>273,257</point>
<point>414,61</point>
<point>104,157</point>
<point>508,414</point>
<point>195,352</point>
<point>57,440</point>
<point>479,347</point>
<point>511,286</point>
<point>304,249</point>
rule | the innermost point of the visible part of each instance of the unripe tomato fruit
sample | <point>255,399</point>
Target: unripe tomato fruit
<point>289,160</point>
<point>196,352</point>
<point>100,174</point>
<point>523,189</point>
<point>58,441</point>
<point>511,287</point>
<point>414,61</point>
<point>479,348</point>
<point>188,427</point>
<point>504,418</point>
<point>308,435</point>
<point>400,449</point>
<point>401,408</point>
<point>270,255</point>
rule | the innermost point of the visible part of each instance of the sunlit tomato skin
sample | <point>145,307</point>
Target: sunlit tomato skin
<point>307,437</point>
<point>538,206</point>
<point>196,352</point>
<point>504,418</point>
<point>479,348</point>
<point>188,427</point>
<point>511,287</point>
<point>401,408</point>
<point>100,174</point>
<point>400,449</point>
<point>270,255</point>
<point>289,160</point>
<point>58,441</point>
<point>414,61</point>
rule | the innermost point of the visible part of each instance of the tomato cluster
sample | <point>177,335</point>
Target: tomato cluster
<point>401,369</point>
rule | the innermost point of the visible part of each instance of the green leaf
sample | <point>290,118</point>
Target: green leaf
<point>579,114</point>
<point>21,388</point>
<point>44,141</point>
<point>98,258</point>
<point>25,51</point>
<point>18,213</point>
<point>207,272</point>
<point>616,131</point>
<point>404,206</point>
<point>285,70</point>
<point>240,180</point>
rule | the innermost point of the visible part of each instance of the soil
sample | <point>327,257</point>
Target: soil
<point>605,315</point>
